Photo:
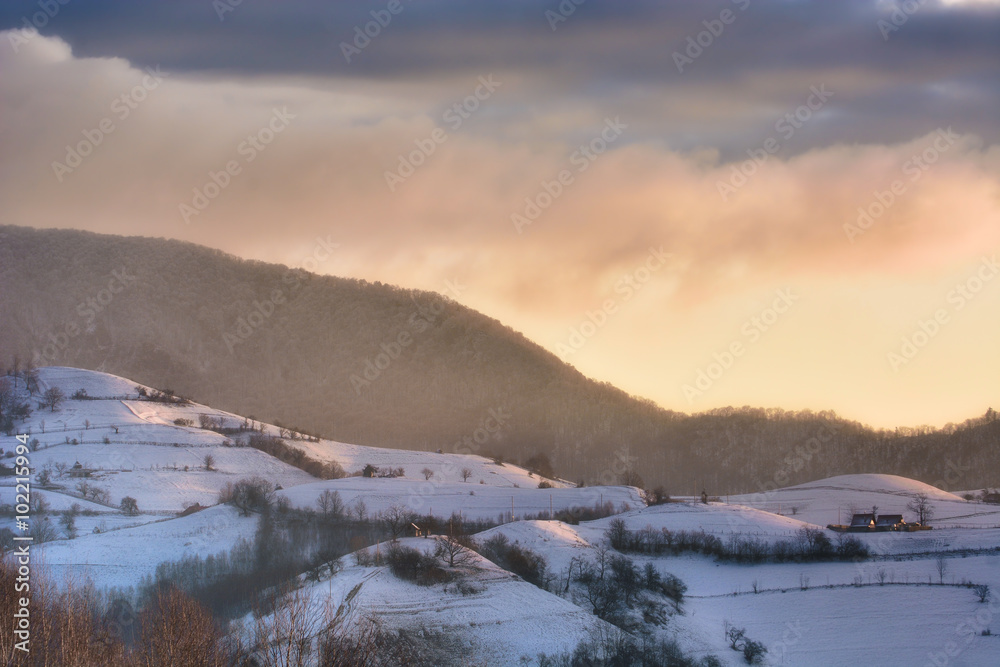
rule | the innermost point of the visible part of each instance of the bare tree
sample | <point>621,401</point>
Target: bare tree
<point>982,591</point>
<point>359,509</point>
<point>7,396</point>
<point>167,636</point>
<point>43,531</point>
<point>921,506</point>
<point>466,474</point>
<point>52,398</point>
<point>602,554</point>
<point>631,478</point>
<point>941,565</point>
<point>453,550</point>
<point>209,462</point>
<point>330,504</point>
<point>39,505</point>
<point>427,473</point>
<point>734,636</point>
<point>618,534</point>
<point>129,506</point>
<point>283,636</point>
<point>31,381</point>
<point>396,519</point>
<point>83,488</point>
<point>68,522</point>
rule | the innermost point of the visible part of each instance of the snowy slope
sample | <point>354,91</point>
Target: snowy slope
<point>890,625</point>
<point>474,501</point>
<point>503,621</point>
<point>135,449</point>
<point>446,467</point>
<point>123,557</point>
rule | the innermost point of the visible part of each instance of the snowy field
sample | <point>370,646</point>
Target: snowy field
<point>121,558</point>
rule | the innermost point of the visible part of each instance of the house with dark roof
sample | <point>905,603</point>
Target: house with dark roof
<point>890,522</point>
<point>862,522</point>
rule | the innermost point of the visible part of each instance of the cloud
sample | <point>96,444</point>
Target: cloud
<point>326,172</point>
<point>940,65</point>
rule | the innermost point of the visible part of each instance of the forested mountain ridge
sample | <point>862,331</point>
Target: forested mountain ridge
<point>381,365</point>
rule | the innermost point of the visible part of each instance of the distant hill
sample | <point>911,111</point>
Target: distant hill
<point>380,365</point>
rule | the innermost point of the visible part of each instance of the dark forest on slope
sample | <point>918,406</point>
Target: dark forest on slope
<point>179,316</point>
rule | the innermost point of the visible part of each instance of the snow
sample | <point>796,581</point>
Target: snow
<point>886,625</point>
<point>504,620</point>
<point>123,557</point>
<point>832,613</point>
<point>473,501</point>
<point>136,449</point>
<point>833,500</point>
<point>445,467</point>
<point>165,478</point>
<point>95,383</point>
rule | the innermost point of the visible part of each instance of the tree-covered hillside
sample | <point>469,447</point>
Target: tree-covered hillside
<point>381,365</point>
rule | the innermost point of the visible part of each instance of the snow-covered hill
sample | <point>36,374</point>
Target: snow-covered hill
<point>833,500</point>
<point>155,452</point>
<point>806,613</point>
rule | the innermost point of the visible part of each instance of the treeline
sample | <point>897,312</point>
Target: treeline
<point>322,352</point>
<point>613,648</point>
<point>282,451</point>
<point>811,544</point>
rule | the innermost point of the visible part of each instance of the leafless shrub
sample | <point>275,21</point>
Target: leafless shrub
<point>252,494</point>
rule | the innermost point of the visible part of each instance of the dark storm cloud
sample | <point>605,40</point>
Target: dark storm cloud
<point>941,65</point>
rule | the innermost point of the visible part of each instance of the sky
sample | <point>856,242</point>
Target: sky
<point>785,203</point>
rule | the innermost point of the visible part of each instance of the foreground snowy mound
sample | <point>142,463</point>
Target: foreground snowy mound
<point>486,615</point>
